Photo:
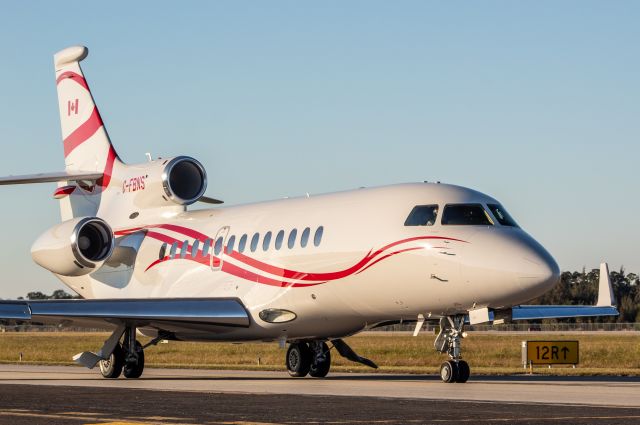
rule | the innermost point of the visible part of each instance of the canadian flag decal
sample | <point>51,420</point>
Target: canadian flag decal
<point>72,106</point>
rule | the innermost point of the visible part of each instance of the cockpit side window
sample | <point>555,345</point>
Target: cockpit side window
<point>466,214</point>
<point>422,215</point>
<point>502,215</point>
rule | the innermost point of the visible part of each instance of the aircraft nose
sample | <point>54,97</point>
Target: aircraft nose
<point>536,270</point>
<point>510,262</point>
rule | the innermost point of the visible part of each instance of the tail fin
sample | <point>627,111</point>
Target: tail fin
<point>87,146</point>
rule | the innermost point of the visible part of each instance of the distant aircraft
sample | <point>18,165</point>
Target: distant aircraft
<point>307,271</point>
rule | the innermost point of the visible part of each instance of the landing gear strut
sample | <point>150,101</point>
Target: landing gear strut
<point>127,358</point>
<point>313,358</point>
<point>449,341</point>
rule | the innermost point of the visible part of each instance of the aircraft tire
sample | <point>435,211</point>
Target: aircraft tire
<point>298,359</point>
<point>463,372</point>
<point>320,370</point>
<point>112,367</point>
<point>449,371</point>
<point>134,370</point>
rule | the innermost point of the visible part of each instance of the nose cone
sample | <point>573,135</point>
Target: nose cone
<point>510,265</point>
<point>537,271</point>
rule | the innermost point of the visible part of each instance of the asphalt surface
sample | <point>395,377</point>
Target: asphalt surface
<point>26,404</point>
<point>73,395</point>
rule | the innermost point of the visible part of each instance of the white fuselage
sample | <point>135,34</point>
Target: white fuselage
<point>366,268</point>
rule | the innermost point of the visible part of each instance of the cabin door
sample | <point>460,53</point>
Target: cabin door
<point>217,253</point>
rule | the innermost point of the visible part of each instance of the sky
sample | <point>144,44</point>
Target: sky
<point>534,103</point>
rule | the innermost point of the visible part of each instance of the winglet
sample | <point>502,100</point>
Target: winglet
<point>605,290</point>
<point>70,55</point>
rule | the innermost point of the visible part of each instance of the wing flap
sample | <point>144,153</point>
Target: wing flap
<point>217,311</point>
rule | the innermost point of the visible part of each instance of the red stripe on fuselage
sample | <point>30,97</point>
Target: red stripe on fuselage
<point>309,279</point>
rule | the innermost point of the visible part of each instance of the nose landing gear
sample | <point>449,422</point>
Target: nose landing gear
<point>449,341</point>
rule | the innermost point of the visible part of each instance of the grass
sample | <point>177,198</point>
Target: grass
<point>607,353</point>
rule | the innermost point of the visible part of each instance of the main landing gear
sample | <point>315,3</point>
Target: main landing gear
<point>313,358</point>
<point>127,357</point>
<point>449,341</point>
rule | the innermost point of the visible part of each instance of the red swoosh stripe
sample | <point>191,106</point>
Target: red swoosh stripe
<point>70,75</point>
<point>309,279</point>
<point>298,275</point>
<point>82,133</point>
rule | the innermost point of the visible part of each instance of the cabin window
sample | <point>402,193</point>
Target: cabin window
<point>254,241</point>
<point>317,238</point>
<point>502,215</point>
<point>422,215</point>
<point>292,239</point>
<point>266,241</point>
<point>174,249</point>
<point>466,214</point>
<point>231,243</point>
<point>185,248</point>
<point>205,247</point>
<point>163,251</point>
<point>304,239</point>
<point>243,243</point>
<point>194,248</point>
<point>218,247</point>
<point>279,239</point>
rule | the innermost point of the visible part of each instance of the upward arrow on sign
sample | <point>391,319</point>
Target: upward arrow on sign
<point>564,350</point>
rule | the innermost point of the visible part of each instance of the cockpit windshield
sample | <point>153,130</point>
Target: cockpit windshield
<point>422,215</point>
<point>502,215</point>
<point>466,214</point>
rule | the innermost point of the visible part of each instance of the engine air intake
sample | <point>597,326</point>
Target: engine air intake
<point>184,180</point>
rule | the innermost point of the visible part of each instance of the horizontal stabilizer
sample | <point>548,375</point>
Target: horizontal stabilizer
<point>61,176</point>
<point>207,200</point>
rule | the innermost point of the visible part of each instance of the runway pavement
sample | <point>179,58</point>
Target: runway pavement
<point>45,394</point>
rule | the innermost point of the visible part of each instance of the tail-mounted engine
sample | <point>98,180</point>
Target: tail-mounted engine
<point>75,247</point>
<point>176,181</point>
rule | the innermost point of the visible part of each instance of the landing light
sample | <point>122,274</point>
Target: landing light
<point>276,315</point>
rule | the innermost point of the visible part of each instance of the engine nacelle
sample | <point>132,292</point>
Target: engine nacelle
<point>175,181</point>
<point>75,247</point>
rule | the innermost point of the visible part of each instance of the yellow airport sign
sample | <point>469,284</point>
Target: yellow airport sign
<point>550,352</point>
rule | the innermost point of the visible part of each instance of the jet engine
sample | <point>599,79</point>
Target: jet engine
<point>75,247</point>
<point>164,182</point>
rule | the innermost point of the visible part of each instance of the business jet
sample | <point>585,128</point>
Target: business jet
<point>306,271</point>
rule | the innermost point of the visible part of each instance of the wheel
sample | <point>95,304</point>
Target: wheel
<point>463,372</point>
<point>298,359</point>
<point>321,369</point>
<point>449,371</point>
<point>134,369</point>
<point>111,368</point>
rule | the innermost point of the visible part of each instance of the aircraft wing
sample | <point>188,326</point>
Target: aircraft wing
<point>604,306</point>
<point>139,312</point>
<point>536,312</point>
<point>159,313</point>
<point>60,176</point>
